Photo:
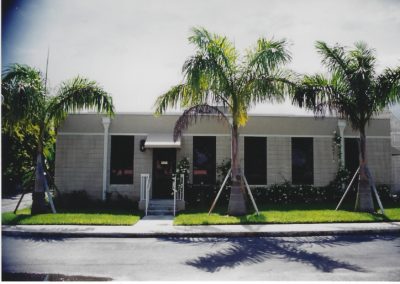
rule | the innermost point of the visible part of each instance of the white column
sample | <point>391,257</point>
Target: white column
<point>342,126</point>
<point>106,123</point>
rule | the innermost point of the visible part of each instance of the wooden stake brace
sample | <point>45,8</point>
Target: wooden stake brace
<point>53,209</point>
<point>19,202</point>
<point>219,192</point>
<point>223,185</point>
<point>251,195</point>
<point>348,188</point>
<point>372,185</point>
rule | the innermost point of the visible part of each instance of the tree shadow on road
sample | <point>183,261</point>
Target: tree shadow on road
<point>258,249</point>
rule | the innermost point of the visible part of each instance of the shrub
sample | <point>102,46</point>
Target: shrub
<point>384,193</point>
<point>72,200</point>
<point>119,201</point>
<point>77,200</point>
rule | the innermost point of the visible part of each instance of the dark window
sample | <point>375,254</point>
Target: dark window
<point>302,161</point>
<point>255,160</point>
<point>203,160</point>
<point>122,159</point>
<point>351,154</point>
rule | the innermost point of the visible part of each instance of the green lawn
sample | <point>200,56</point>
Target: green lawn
<point>286,214</point>
<point>269,214</point>
<point>81,217</point>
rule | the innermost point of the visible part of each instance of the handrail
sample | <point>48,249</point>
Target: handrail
<point>183,187</point>
<point>145,184</point>
<point>148,193</point>
<point>174,191</point>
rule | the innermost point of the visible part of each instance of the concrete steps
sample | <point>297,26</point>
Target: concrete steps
<point>161,207</point>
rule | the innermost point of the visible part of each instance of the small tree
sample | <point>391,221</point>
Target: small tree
<point>353,91</point>
<point>26,101</point>
<point>215,77</point>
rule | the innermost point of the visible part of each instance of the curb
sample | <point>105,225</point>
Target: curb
<point>57,234</point>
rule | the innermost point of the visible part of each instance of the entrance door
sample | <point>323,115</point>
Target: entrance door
<point>164,162</point>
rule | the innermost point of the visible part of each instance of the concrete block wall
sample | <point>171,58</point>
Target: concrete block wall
<point>379,159</point>
<point>325,161</point>
<point>395,137</point>
<point>279,159</point>
<point>79,164</point>
<point>223,151</point>
<point>142,164</point>
<point>395,130</point>
<point>396,174</point>
<point>186,151</point>
<point>241,151</point>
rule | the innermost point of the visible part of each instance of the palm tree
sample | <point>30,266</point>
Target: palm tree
<point>25,100</point>
<point>353,91</point>
<point>215,78</point>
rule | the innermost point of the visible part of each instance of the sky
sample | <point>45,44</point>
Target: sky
<point>135,49</point>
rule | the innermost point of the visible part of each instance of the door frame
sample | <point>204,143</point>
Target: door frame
<point>155,157</point>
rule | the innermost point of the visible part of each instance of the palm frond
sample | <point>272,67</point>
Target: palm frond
<point>387,89</point>
<point>311,93</point>
<point>213,77</point>
<point>271,87</point>
<point>267,55</point>
<point>363,58</point>
<point>352,90</point>
<point>262,78</point>
<point>218,46</point>
<point>334,58</point>
<point>322,94</point>
<point>177,94</point>
<point>191,115</point>
<point>23,96</point>
<point>207,74</point>
<point>207,79</point>
<point>79,94</point>
<point>213,65</point>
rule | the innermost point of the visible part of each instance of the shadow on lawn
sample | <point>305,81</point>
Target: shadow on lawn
<point>15,219</point>
<point>257,250</point>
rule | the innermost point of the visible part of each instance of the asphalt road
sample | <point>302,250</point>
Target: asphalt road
<point>358,257</point>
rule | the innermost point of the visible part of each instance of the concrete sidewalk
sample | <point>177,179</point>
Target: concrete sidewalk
<point>156,226</point>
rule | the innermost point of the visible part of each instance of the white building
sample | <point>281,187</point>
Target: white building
<point>100,155</point>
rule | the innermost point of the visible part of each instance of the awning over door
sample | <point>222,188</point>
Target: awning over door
<point>161,140</point>
<point>395,151</point>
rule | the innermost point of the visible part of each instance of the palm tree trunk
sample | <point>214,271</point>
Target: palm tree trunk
<point>38,195</point>
<point>364,201</point>
<point>237,203</point>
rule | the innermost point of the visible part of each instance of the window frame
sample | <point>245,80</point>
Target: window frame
<point>211,179</point>
<point>263,141</point>
<point>350,142</point>
<point>124,154</point>
<point>302,177</point>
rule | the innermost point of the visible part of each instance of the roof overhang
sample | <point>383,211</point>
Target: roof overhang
<point>161,140</point>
